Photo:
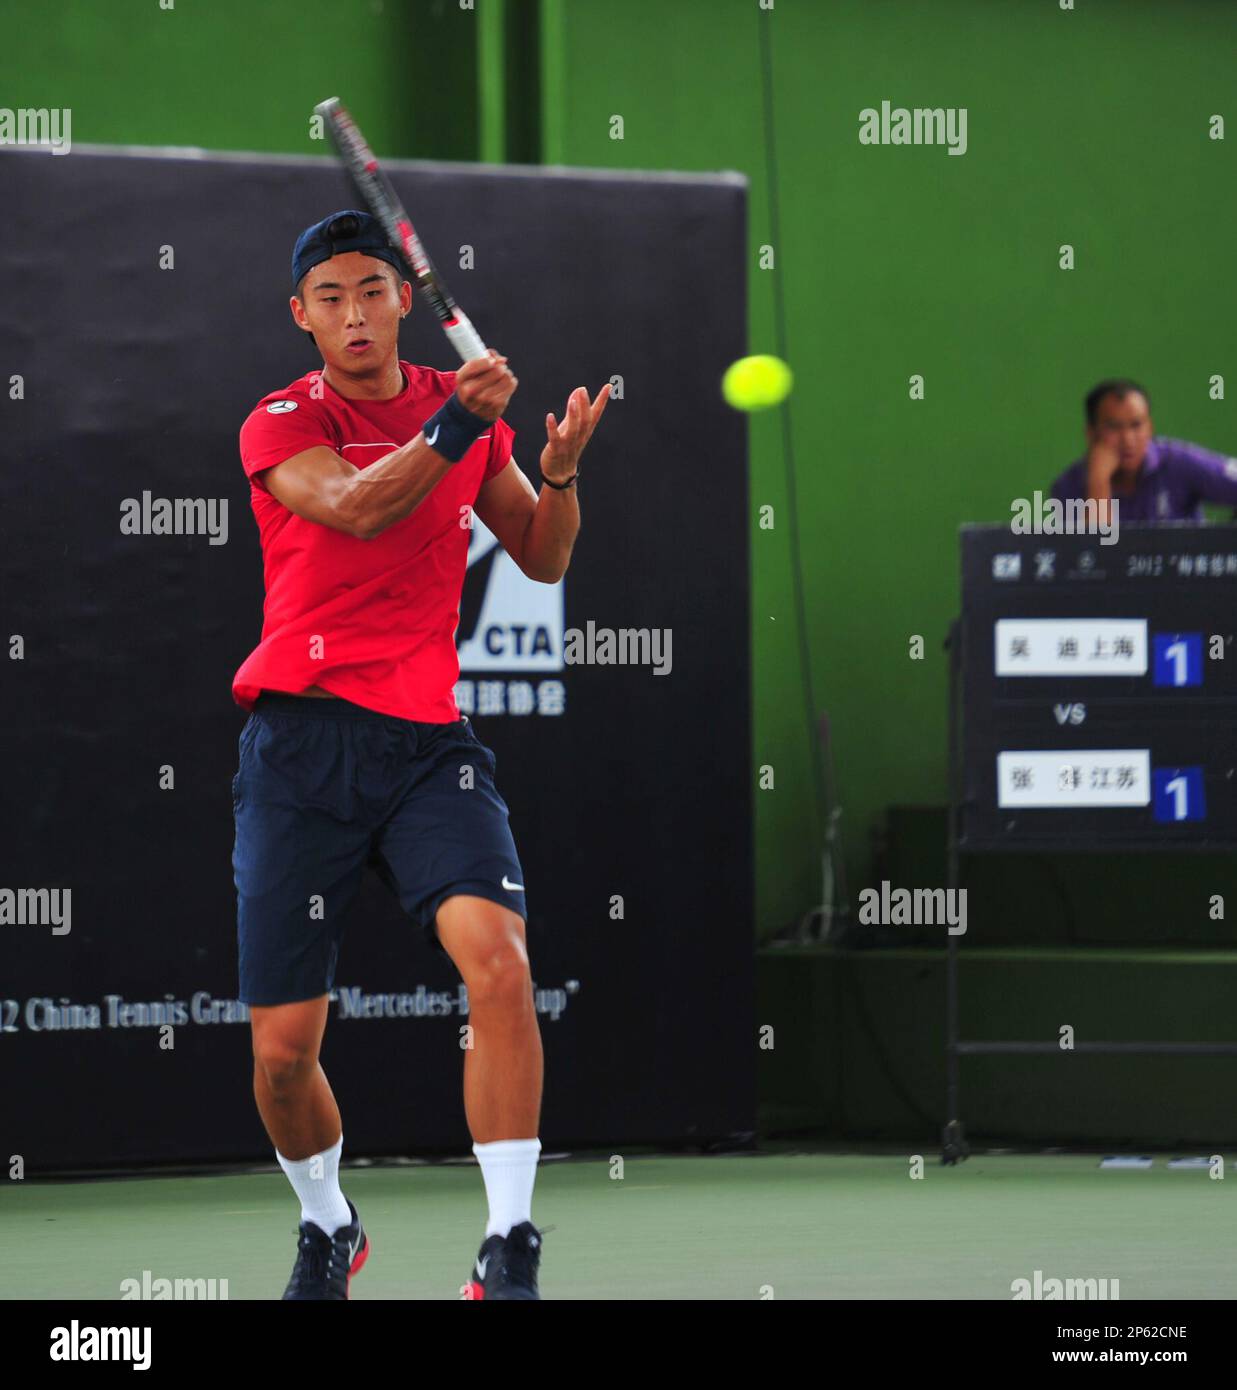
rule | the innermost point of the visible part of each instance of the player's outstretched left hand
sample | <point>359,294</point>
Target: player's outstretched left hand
<point>565,442</point>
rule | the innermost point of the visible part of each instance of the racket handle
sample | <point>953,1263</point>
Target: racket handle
<point>464,337</point>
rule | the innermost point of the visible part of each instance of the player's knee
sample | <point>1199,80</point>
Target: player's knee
<point>284,1064</point>
<point>500,975</point>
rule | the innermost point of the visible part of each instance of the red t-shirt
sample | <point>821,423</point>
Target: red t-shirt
<point>371,621</point>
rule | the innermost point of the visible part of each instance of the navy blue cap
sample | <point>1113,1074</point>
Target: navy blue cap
<point>344,231</point>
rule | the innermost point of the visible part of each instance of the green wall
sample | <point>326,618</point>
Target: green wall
<point>245,74</point>
<point>1086,127</point>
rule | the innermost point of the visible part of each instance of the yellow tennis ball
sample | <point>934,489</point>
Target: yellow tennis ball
<point>756,383</point>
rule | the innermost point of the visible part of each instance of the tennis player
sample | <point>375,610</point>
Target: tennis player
<point>364,477</point>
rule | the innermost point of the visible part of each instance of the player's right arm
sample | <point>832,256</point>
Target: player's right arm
<point>320,485</point>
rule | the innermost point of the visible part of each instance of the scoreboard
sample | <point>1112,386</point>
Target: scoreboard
<point>1094,690</point>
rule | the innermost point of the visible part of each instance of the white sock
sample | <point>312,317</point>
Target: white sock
<point>509,1167</point>
<point>316,1182</point>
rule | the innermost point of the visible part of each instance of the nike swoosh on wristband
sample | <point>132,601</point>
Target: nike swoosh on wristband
<point>429,438</point>
<point>510,887</point>
<point>482,1266</point>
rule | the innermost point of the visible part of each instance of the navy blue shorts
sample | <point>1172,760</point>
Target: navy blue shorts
<point>326,787</point>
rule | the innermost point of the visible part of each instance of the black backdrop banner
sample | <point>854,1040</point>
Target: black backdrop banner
<point>145,312</point>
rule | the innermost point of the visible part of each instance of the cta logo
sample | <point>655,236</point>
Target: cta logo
<point>507,622</point>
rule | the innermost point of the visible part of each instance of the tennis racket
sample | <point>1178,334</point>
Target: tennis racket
<point>374,190</point>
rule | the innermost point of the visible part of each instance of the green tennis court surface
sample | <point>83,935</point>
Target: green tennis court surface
<point>786,1224</point>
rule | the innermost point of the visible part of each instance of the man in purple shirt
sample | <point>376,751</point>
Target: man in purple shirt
<point>1154,479</point>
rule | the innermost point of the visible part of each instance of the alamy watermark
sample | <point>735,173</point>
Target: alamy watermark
<point>84,1343</point>
<point>41,126</point>
<point>175,516</point>
<point>914,907</point>
<point>920,125</point>
<point>624,646</point>
<point>1076,516</point>
<point>148,1287</point>
<point>1040,1288</point>
<point>37,907</point>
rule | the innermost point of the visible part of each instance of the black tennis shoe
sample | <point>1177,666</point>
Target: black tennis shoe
<point>325,1264</point>
<point>506,1266</point>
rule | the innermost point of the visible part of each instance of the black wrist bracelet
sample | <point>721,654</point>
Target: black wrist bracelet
<point>558,487</point>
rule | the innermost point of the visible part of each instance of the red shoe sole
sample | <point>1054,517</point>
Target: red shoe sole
<point>358,1262</point>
